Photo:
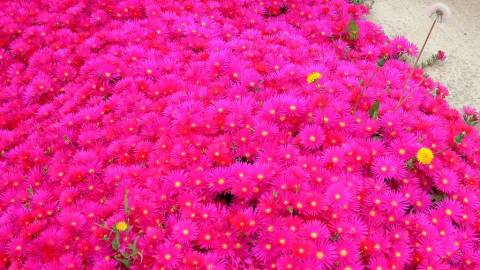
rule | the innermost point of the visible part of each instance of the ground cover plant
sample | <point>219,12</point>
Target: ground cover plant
<point>221,134</point>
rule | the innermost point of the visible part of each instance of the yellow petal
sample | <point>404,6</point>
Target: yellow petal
<point>425,156</point>
<point>313,77</point>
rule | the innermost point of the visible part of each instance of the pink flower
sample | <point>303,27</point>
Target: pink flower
<point>441,55</point>
<point>315,231</point>
<point>168,256</point>
<point>311,137</point>
<point>387,167</point>
<point>446,180</point>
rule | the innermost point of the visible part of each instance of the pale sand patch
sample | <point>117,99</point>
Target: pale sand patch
<point>459,37</point>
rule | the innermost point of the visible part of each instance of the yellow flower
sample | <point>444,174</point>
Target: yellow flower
<point>314,76</point>
<point>425,156</point>
<point>121,226</point>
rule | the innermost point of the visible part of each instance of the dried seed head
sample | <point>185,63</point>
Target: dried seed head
<point>441,11</point>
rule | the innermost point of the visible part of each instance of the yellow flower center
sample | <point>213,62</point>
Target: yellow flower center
<point>121,226</point>
<point>425,156</point>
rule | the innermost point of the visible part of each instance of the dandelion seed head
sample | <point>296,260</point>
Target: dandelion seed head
<point>441,11</point>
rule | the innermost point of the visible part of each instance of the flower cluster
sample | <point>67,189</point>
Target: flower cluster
<point>186,134</point>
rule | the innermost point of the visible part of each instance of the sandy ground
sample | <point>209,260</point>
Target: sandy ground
<point>459,37</point>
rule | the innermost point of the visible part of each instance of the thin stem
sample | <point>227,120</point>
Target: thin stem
<point>357,103</point>
<point>426,40</point>
<point>403,99</point>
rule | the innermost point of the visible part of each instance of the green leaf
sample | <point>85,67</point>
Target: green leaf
<point>471,120</point>
<point>430,61</point>
<point>437,197</point>
<point>125,255</point>
<point>368,3</point>
<point>116,240</point>
<point>133,248</point>
<point>30,191</point>
<point>125,203</point>
<point>124,261</point>
<point>353,30</point>
<point>373,112</point>
<point>376,137</point>
<point>381,62</point>
<point>410,163</point>
<point>335,237</point>
<point>459,137</point>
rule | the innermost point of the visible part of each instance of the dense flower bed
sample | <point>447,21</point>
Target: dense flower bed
<point>226,135</point>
